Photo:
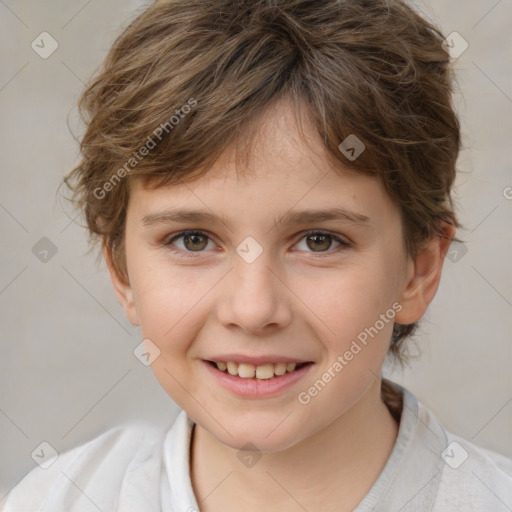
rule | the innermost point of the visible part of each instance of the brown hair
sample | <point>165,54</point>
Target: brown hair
<point>190,75</point>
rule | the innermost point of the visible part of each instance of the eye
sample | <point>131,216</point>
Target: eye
<point>193,241</point>
<point>196,241</point>
<point>322,240</point>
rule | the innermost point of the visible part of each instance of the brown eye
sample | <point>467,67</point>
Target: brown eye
<point>189,242</point>
<point>319,241</point>
<point>195,242</point>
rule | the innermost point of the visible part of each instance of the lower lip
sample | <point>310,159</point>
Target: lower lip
<point>257,388</point>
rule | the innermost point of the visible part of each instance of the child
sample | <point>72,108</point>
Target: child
<point>225,140</point>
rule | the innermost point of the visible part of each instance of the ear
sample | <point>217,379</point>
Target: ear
<point>423,276</point>
<point>122,288</point>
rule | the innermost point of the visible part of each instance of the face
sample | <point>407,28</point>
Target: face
<point>257,283</point>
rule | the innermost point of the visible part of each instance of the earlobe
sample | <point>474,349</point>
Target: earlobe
<point>423,277</point>
<point>122,288</point>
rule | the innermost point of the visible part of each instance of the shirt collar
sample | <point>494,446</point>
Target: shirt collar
<point>410,478</point>
<point>408,481</point>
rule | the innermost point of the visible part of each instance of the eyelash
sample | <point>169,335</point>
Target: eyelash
<point>344,244</point>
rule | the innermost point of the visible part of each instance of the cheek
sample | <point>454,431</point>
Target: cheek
<point>164,292</point>
<point>349,300</point>
<point>359,308</point>
<point>171,307</point>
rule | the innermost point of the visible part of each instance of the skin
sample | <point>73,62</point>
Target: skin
<point>298,299</point>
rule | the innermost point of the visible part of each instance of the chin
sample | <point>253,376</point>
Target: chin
<point>255,434</point>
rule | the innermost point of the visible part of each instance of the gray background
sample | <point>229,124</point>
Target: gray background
<point>67,370</point>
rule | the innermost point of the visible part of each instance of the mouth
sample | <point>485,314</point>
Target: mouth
<point>265,371</point>
<point>257,377</point>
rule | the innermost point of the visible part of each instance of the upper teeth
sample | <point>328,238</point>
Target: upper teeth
<point>249,371</point>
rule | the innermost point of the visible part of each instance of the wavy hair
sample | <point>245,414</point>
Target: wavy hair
<point>373,68</point>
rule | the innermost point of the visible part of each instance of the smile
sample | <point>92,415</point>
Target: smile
<point>251,371</point>
<point>256,379</point>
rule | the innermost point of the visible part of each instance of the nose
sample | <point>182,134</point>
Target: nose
<point>255,298</point>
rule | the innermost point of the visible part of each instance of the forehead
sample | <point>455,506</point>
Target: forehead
<point>281,165</point>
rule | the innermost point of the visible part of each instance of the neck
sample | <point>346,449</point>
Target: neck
<point>343,461</point>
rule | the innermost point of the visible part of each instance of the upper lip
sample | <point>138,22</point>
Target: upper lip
<point>256,360</point>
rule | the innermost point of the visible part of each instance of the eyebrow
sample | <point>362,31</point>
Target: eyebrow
<point>290,217</point>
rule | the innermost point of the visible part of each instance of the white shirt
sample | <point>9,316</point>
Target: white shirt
<point>140,468</point>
